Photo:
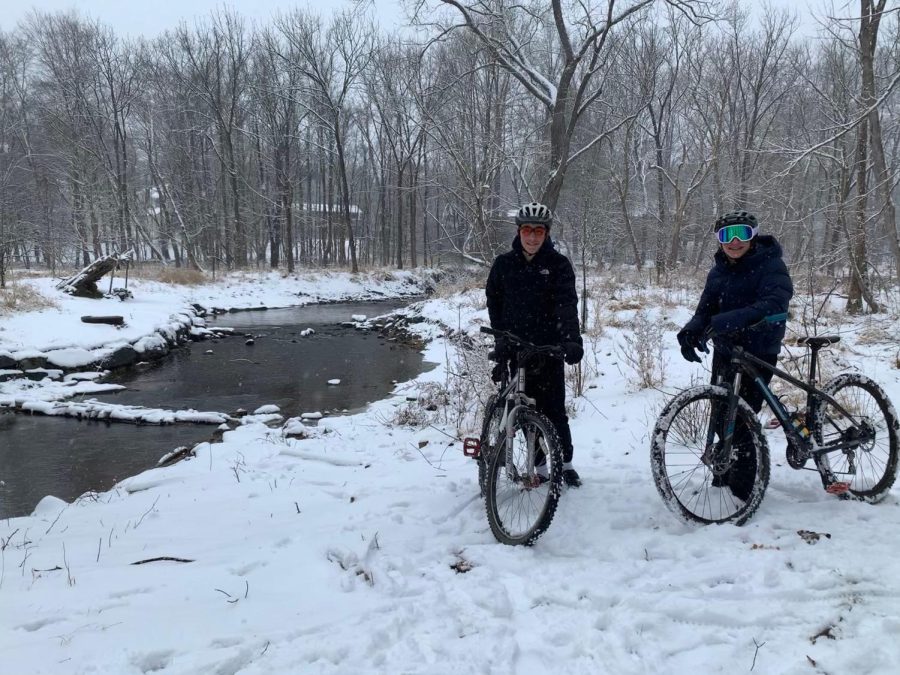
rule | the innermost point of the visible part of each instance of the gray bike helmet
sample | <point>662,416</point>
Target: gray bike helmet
<point>736,218</point>
<point>534,214</point>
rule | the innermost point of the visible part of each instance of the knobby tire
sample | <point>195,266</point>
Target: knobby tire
<point>517,510</point>
<point>875,462</point>
<point>490,432</point>
<point>683,479</point>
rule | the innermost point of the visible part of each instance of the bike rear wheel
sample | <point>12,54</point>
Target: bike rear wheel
<point>520,503</point>
<point>870,468</point>
<point>682,466</point>
<point>490,432</point>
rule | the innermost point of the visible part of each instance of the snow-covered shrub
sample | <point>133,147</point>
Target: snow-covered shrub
<point>170,275</point>
<point>22,297</point>
<point>643,351</point>
<point>460,280</point>
<point>468,384</point>
<point>411,414</point>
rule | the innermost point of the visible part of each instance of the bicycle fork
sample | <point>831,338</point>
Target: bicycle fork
<point>512,412</point>
<point>717,456</point>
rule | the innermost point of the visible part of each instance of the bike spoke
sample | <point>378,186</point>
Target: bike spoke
<point>521,501</point>
<point>868,467</point>
<point>685,452</point>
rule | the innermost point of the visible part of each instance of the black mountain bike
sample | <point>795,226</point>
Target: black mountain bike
<point>848,429</point>
<point>518,454</point>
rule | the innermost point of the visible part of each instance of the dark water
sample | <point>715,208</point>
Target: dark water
<point>281,367</point>
<point>42,456</point>
<point>65,458</point>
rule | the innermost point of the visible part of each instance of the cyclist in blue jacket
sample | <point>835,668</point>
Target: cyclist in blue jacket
<point>745,302</point>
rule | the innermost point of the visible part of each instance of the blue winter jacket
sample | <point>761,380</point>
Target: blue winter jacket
<point>752,291</point>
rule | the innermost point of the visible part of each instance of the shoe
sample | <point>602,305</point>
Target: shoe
<point>741,478</point>
<point>571,478</point>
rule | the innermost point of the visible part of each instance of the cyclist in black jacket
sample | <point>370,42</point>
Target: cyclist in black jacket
<point>531,293</point>
<point>745,301</point>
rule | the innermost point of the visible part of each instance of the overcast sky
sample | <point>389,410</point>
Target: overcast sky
<point>150,17</point>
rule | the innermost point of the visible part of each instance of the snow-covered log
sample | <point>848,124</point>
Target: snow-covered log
<point>84,283</point>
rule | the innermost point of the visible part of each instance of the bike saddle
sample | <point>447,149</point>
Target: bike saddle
<point>816,341</point>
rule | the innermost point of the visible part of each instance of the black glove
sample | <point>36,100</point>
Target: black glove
<point>574,352</point>
<point>503,350</point>
<point>708,334</point>
<point>689,342</point>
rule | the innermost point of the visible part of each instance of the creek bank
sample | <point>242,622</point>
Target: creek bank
<point>180,328</point>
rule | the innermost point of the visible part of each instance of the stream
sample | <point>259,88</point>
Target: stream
<point>65,457</point>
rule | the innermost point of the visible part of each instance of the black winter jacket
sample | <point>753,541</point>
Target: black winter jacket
<point>740,293</point>
<point>536,299</point>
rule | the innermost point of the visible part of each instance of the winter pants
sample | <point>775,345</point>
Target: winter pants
<point>545,382</point>
<point>743,472</point>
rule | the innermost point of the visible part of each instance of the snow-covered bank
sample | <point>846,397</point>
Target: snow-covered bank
<point>364,548</point>
<point>160,312</point>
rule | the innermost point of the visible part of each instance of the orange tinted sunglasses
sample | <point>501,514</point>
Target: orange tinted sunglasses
<point>528,230</point>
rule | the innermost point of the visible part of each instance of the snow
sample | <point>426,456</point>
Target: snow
<point>362,546</point>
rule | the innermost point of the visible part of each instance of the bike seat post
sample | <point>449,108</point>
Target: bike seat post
<point>813,361</point>
<point>521,385</point>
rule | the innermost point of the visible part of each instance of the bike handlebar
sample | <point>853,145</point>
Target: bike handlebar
<point>552,350</point>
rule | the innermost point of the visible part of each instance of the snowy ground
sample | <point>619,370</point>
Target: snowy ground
<point>365,548</point>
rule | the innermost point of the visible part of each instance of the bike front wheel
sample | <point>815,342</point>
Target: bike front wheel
<point>683,457</point>
<point>490,433</point>
<point>871,467</point>
<point>523,480</point>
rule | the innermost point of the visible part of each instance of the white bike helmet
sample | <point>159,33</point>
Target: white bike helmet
<point>534,214</point>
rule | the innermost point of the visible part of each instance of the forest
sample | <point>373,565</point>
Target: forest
<point>332,142</point>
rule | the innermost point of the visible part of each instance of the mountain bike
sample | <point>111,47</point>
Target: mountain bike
<point>848,428</point>
<point>518,453</point>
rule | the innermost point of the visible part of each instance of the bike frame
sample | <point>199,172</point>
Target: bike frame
<point>512,394</point>
<point>513,399</point>
<point>748,364</point>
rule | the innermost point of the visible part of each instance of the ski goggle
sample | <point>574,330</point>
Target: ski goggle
<point>743,232</point>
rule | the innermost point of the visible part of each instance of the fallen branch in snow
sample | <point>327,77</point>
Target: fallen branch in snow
<point>233,599</point>
<point>758,645</point>
<point>70,579</point>
<point>163,558</point>
<point>5,542</point>
<point>58,515</point>
<point>141,520</point>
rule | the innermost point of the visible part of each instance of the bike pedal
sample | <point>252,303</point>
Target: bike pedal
<point>837,488</point>
<point>472,447</point>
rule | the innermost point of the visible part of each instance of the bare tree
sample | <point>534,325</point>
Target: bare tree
<point>332,64</point>
<point>871,12</point>
<point>569,80</point>
<point>215,59</point>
